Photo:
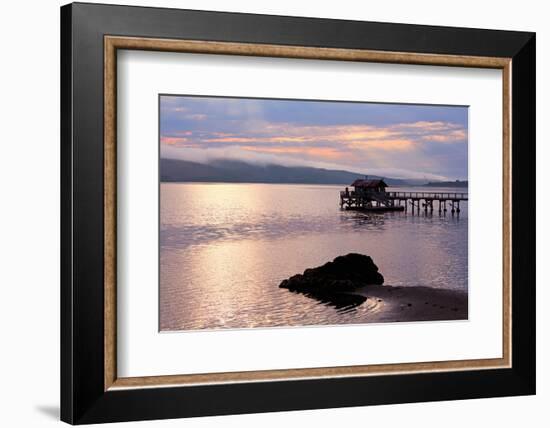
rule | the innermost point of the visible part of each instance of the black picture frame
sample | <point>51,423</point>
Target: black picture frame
<point>83,396</point>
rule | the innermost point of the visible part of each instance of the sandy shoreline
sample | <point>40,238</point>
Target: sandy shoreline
<point>398,304</point>
<point>353,280</point>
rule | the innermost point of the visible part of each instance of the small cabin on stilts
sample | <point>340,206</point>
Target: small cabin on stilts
<point>367,194</point>
<point>364,186</point>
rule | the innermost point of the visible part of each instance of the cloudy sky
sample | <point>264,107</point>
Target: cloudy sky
<point>392,140</point>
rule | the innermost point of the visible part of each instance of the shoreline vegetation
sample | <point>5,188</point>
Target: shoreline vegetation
<point>352,280</point>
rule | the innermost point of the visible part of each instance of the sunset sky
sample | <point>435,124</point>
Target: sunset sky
<point>391,140</point>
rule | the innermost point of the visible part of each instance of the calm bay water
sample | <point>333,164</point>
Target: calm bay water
<point>226,247</point>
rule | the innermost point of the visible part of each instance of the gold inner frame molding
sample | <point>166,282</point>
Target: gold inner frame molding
<point>113,43</point>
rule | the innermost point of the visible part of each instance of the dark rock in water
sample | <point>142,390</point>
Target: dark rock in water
<point>344,273</point>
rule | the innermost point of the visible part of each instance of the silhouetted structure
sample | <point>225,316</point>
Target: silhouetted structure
<point>369,186</point>
<point>371,195</point>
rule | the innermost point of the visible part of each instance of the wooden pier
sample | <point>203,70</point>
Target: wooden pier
<point>371,195</point>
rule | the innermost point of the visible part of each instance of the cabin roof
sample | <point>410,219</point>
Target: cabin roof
<point>369,184</point>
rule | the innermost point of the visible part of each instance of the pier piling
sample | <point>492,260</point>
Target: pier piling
<point>399,201</point>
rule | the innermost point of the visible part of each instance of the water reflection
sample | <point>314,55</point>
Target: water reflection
<point>359,219</point>
<point>342,302</point>
<point>225,250</point>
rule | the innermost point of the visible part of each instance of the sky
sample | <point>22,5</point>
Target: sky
<point>390,140</point>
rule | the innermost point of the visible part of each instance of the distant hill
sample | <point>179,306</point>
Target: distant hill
<point>456,183</point>
<point>231,171</point>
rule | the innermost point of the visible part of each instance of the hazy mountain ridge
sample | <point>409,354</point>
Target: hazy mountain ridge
<point>456,183</point>
<point>233,171</point>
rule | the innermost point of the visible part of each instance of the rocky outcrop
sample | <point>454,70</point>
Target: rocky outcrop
<point>344,273</point>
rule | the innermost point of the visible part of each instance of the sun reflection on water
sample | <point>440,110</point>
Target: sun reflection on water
<point>226,247</point>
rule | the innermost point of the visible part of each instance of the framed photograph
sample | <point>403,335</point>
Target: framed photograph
<point>266,213</point>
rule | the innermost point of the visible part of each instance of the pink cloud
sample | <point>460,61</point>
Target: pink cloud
<point>173,140</point>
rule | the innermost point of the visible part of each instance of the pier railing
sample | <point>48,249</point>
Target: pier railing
<point>457,196</point>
